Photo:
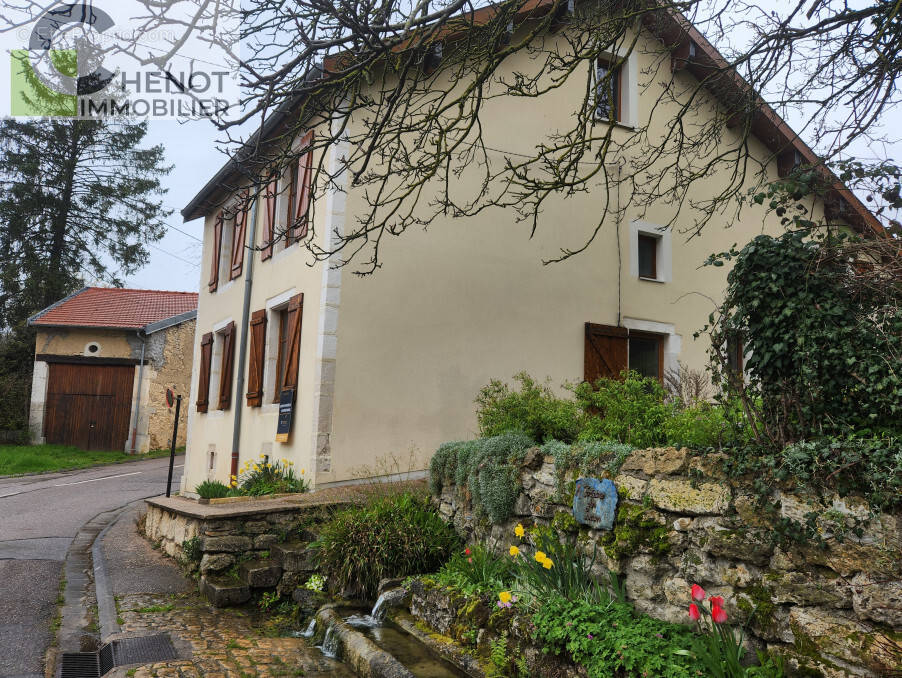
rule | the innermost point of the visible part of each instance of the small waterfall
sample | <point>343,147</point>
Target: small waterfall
<point>330,643</point>
<point>380,609</point>
<point>308,633</point>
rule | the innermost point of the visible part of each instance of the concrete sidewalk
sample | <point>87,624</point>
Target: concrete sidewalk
<point>152,596</point>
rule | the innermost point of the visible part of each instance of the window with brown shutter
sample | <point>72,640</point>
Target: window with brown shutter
<point>255,364</point>
<point>606,352</point>
<point>225,372</point>
<point>203,382</point>
<point>238,245</point>
<point>269,215</point>
<point>289,345</point>
<point>217,246</point>
<point>302,179</point>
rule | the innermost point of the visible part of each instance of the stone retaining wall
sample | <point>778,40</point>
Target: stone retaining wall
<point>833,609</point>
<point>237,549</point>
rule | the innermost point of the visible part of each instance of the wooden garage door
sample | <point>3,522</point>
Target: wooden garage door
<point>89,406</point>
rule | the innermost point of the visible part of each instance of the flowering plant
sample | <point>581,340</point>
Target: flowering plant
<point>718,647</point>
<point>317,582</point>
<point>476,569</point>
<point>260,476</point>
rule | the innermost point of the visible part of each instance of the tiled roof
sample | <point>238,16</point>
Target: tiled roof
<point>115,307</point>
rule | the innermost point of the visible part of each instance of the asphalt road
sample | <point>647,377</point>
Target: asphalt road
<point>39,516</point>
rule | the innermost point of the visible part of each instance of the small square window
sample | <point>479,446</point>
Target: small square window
<point>608,85</point>
<point>646,355</point>
<point>648,256</point>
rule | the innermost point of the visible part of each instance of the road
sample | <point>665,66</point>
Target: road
<point>39,516</point>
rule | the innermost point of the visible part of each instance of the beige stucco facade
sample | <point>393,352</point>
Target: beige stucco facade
<point>391,362</point>
<point>167,365</point>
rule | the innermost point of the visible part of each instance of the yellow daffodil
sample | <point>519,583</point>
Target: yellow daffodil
<point>547,563</point>
<point>303,471</point>
<point>519,531</point>
<point>256,468</point>
<point>504,596</point>
<point>540,556</point>
<point>514,551</point>
<point>291,463</point>
<point>262,456</point>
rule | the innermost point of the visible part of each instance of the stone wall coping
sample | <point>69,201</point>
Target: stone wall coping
<point>191,509</point>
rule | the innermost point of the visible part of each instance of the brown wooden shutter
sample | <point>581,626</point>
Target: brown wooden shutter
<point>606,352</point>
<point>238,243</point>
<point>225,372</point>
<point>295,313</point>
<point>255,366</point>
<point>298,229</point>
<point>269,215</point>
<point>203,382</point>
<point>217,246</point>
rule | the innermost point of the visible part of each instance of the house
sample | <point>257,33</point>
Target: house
<point>108,365</point>
<point>339,373</point>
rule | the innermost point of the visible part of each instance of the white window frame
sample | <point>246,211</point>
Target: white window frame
<point>663,254</point>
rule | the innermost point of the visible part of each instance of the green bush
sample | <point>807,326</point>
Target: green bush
<point>533,410</point>
<point>631,411</point>
<point>212,489</point>
<point>486,469</point>
<point>391,536</point>
<point>634,410</point>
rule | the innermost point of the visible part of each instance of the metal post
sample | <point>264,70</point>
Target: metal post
<point>175,435</point>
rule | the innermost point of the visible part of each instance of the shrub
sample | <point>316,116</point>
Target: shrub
<point>476,570</point>
<point>822,336</point>
<point>631,411</point>
<point>391,536</point>
<point>705,425</point>
<point>262,477</point>
<point>533,410</point>
<point>486,468</point>
<point>585,458</point>
<point>212,489</point>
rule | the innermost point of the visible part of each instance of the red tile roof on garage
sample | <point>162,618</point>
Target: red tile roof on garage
<point>115,308</point>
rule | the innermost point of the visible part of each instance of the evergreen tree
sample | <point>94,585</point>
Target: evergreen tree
<point>79,201</point>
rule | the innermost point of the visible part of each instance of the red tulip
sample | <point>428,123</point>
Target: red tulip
<point>694,614</point>
<point>698,593</point>
<point>467,551</point>
<point>718,614</point>
<point>716,601</point>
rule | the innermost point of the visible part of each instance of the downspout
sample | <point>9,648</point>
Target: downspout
<point>242,345</point>
<point>143,338</point>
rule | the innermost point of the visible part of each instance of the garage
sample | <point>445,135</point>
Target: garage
<point>89,405</point>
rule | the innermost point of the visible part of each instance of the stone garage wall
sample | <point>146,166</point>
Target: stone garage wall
<point>832,609</point>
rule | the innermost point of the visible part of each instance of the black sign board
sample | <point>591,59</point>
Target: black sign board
<point>286,408</point>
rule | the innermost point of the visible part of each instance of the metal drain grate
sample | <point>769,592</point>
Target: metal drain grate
<point>144,650</point>
<point>79,665</point>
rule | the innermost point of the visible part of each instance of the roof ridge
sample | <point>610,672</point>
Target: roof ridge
<point>136,289</point>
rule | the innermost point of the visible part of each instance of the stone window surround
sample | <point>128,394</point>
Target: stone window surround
<point>663,255</point>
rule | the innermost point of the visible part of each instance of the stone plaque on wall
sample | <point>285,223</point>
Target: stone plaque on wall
<point>594,503</point>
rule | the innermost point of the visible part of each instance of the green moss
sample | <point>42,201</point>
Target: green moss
<point>633,530</point>
<point>759,606</point>
<point>564,521</point>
